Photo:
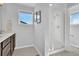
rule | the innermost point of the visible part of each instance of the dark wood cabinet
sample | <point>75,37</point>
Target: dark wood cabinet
<point>7,46</point>
<point>6,50</point>
<point>12,44</point>
<point>6,42</point>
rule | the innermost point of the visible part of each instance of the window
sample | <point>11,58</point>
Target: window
<point>26,18</point>
<point>74,19</point>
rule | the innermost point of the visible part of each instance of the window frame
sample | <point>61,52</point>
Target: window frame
<point>71,18</point>
<point>26,11</point>
<point>71,11</point>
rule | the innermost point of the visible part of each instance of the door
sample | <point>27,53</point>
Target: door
<point>59,31</point>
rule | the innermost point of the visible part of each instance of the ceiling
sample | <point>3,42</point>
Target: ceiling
<point>34,4</point>
<point>29,4</point>
<point>71,4</point>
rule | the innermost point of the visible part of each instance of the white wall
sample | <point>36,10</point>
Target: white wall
<point>24,33</point>
<point>74,29</point>
<point>74,35</point>
<point>41,29</point>
<point>0,18</point>
<point>67,28</point>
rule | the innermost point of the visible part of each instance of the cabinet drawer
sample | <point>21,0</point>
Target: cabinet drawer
<point>5,42</point>
<point>6,50</point>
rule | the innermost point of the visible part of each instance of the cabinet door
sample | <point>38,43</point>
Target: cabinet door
<point>6,50</point>
<point>6,47</point>
<point>11,46</point>
<point>6,41</point>
<point>12,39</point>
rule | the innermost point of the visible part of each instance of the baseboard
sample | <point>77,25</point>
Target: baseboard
<point>24,46</point>
<point>56,51</point>
<point>74,45</point>
<point>37,50</point>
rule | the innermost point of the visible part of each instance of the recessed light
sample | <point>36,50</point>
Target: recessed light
<point>50,5</point>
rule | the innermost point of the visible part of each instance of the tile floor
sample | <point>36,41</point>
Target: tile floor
<point>65,53</point>
<point>31,51</point>
<point>72,51</point>
<point>25,52</point>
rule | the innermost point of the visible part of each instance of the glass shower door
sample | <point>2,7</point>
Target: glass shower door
<point>59,31</point>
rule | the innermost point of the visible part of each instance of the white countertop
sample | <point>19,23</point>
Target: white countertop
<point>4,36</point>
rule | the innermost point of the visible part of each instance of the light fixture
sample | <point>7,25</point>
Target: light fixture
<point>50,5</point>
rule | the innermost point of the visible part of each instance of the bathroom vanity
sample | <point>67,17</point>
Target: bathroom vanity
<point>7,44</point>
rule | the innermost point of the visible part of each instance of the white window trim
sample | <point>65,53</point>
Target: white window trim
<point>20,10</point>
<point>74,10</point>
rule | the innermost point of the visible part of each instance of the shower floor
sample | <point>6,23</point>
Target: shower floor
<point>67,52</point>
